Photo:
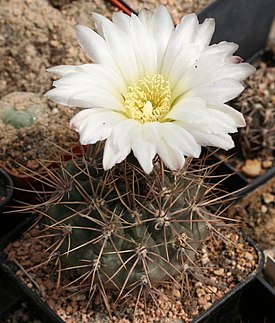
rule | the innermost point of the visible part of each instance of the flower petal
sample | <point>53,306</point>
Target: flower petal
<point>119,44</point>
<point>182,36</point>
<point>204,137</point>
<point>94,45</point>
<point>112,155</point>
<point>217,92</point>
<point>179,139</point>
<point>205,32</point>
<point>163,27</point>
<point>191,110</point>
<point>97,125</point>
<point>125,133</point>
<point>144,152</point>
<point>233,113</point>
<point>85,98</point>
<point>171,158</point>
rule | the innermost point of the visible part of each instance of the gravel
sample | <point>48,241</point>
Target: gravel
<point>221,263</point>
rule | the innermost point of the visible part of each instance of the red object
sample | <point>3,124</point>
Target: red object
<point>121,6</point>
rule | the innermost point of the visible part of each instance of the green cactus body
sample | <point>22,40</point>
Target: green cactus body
<point>123,228</point>
<point>20,109</point>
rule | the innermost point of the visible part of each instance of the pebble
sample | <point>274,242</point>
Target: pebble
<point>206,306</point>
<point>268,198</point>
<point>264,208</point>
<point>202,300</point>
<point>176,293</point>
<point>267,163</point>
<point>252,168</point>
<point>219,272</point>
<point>248,256</point>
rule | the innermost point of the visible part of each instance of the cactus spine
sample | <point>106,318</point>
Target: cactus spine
<point>122,229</point>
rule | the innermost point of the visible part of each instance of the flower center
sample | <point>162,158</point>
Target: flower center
<point>149,99</point>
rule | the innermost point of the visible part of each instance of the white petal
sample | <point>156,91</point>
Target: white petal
<point>163,26</point>
<point>82,81</point>
<point>99,20</point>
<point>186,58</point>
<point>191,109</point>
<point>238,72</point>
<point>98,126</point>
<point>97,71</point>
<point>223,47</point>
<point>94,45</point>
<point>221,122</point>
<point>217,92</point>
<point>144,46</point>
<point>202,71</point>
<point>125,133</point>
<point>205,32</point>
<point>171,158</point>
<point>206,138</point>
<point>112,155</point>
<point>77,120</point>
<point>180,140</point>
<point>85,98</point>
<point>145,16</point>
<point>233,113</point>
<point>122,21</point>
<point>144,152</point>
<point>123,53</point>
<point>182,36</point>
<point>62,70</point>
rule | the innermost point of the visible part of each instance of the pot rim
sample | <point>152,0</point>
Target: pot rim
<point>8,182</point>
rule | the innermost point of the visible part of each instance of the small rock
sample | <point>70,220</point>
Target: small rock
<point>252,167</point>
<point>213,289</point>
<point>32,164</point>
<point>267,163</point>
<point>55,111</point>
<point>49,284</point>
<point>176,293</point>
<point>219,272</point>
<point>263,209</point>
<point>207,305</point>
<point>248,256</point>
<point>202,301</point>
<point>54,43</point>
<point>204,259</point>
<point>268,198</point>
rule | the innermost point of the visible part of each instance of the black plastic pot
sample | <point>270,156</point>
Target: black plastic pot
<point>6,189</point>
<point>257,303</point>
<point>6,192</point>
<point>236,183</point>
<point>244,22</point>
<point>229,309</point>
<point>7,220</point>
<point>226,310</point>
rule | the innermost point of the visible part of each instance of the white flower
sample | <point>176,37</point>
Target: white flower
<point>153,88</point>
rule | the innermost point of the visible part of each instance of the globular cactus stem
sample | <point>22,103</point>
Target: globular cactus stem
<point>123,229</point>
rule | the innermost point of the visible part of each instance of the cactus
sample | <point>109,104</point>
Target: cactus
<point>21,109</point>
<point>122,229</point>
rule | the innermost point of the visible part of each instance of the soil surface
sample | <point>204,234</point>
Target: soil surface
<point>221,263</point>
<point>257,213</point>
<point>32,127</point>
<point>255,143</point>
<point>35,35</point>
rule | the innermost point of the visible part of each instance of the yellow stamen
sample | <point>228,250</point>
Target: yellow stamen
<point>149,99</point>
